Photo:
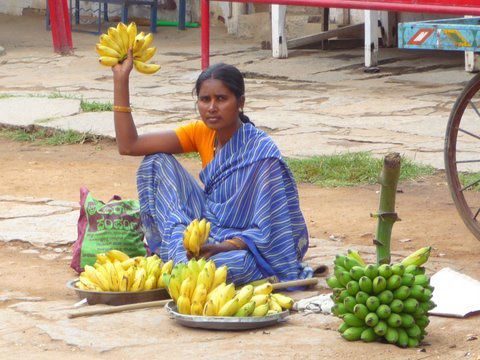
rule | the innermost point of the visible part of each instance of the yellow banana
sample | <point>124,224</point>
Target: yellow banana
<point>196,308</point>
<point>215,291</point>
<point>193,267</point>
<point>260,299</point>
<point>102,258</point>
<point>201,263</point>
<point>246,310</point>
<point>112,273</point>
<point>128,263</point>
<point>128,277</point>
<point>201,228</point>
<point>115,36</point>
<point>108,61</point>
<point>187,287</point>
<point>81,286</point>
<point>264,289</point>
<point>147,54</point>
<point>174,288</point>
<point>139,280</point>
<point>122,32</point>
<point>96,277</point>
<point>204,279</point>
<point>354,254</point>
<point>418,257</point>
<point>199,295</point>
<point>183,305</point>
<point>209,309</point>
<point>220,276</point>
<point>274,305</point>
<point>271,312</point>
<point>103,50</point>
<point>207,231</point>
<point>108,41</point>
<point>216,296</point>
<point>138,45</point>
<point>150,283</point>
<point>186,238</point>
<point>284,301</point>
<point>244,295</point>
<point>193,242</point>
<point>227,294</point>
<point>229,308</point>
<point>117,255</point>
<point>132,33</point>
<point>260,310</point>
<point>210,265</point>
<point>167,267</point>
<point>147,41</point>
<point>88,284</point>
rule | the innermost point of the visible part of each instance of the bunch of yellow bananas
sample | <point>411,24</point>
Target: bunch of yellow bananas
<point>199,288</point>
<point>116,271</point>
<point>195,235</point>
<point>114,45</point>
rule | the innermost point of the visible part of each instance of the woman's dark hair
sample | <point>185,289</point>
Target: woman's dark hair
<point>230,76</point>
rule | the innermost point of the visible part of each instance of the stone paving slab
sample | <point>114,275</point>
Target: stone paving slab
<point>23,111</point>
<point>39,222</point>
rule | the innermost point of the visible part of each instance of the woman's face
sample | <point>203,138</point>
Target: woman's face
<point>218,106</point>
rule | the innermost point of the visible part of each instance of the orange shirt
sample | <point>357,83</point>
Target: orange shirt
<point>197,137</point>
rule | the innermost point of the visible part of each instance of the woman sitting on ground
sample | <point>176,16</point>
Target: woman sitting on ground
<point>249,195</point>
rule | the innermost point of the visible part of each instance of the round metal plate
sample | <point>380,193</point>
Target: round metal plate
<point>117,298</point>
<point>224,322</point>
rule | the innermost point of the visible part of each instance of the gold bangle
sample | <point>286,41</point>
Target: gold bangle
<point>125,109</point>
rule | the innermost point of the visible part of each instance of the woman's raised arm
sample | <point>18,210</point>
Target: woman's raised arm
<point>128,140</point>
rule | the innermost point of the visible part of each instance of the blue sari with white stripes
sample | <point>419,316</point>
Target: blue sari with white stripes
<point>249,193</point>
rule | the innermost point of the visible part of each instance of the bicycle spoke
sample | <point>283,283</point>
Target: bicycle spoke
<point>470,185</point>
<point>466,161</point>
<point>469,133</point>
<point>474,108</point>
<point>476,214</point>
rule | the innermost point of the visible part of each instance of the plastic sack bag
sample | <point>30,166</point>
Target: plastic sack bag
<point>106,226</point>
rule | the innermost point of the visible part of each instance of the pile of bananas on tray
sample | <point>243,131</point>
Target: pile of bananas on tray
<point>114,45</point>
<point>199,288</point>
<point>382,302</point>
<point>116,271</point>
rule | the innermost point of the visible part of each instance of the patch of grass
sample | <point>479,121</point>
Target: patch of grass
<point>43,136</point>
<point>192,156</point>
<point>94,106</point>
<point>470,178</point>
<point>59,95</point>
<point>349,169</point>
<point>5,96</point>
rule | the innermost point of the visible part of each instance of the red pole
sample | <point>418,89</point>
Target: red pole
<point>205,31</point>
<point>60,24</point>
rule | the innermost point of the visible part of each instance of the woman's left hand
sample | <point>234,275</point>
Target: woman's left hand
<point>208,250</point>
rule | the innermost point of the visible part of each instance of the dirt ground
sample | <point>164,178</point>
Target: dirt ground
<point>427,212</point>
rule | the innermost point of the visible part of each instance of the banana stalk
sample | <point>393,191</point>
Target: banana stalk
<point>386,212</point>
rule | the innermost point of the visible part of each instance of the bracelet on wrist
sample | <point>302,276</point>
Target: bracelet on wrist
<point>125,109</point>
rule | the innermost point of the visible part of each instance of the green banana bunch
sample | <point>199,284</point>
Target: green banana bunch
<point>114,45</point>
<point>389,302</point>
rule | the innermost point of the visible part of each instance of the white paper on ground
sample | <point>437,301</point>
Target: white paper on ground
<point>455,294</point>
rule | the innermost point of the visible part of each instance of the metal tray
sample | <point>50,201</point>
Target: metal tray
<point>117,298</point>
<point>224,322</point>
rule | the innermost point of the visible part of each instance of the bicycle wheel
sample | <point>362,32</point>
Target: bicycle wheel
<point>462,158</point>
